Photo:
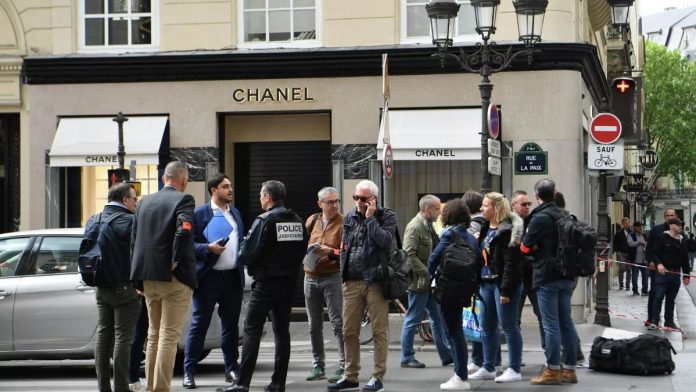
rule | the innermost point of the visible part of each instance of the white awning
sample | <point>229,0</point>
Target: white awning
<point>93,141</point>
<point>434,134</point>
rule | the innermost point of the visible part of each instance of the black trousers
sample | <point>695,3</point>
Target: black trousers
<point>272,295</point>
<point>651,295</point>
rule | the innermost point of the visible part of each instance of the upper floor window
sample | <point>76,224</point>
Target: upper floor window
<point>415,25</point>
<point>274,22</point>
<point>688,40</point>
<point>117,24</point>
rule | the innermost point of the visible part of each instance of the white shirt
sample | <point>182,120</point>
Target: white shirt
<point>228,257</point>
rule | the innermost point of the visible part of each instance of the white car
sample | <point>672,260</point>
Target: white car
<point>46,311</point>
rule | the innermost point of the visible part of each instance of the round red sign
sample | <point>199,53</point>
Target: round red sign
<point>493,121</point>
<point>388,161</point>
<point>605,128</point>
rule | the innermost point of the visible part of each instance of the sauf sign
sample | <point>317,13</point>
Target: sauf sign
<point>608,151</point>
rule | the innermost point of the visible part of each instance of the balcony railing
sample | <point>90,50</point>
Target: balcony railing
<point>675,194</point>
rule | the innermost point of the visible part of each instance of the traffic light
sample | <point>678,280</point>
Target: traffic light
<point>623,104</point>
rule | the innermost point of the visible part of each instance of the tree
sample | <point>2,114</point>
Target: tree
<point>670,112</point>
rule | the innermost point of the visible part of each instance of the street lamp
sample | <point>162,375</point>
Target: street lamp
<point>619,12</point>
<point>485,60</point>
<point>121,152</point>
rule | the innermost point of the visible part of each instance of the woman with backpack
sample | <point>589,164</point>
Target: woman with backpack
<point>455,219</point>
<point>501,286</point>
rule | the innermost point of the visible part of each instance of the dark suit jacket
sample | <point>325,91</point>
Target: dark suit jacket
<point>162,235</point>
<point>205,259</point>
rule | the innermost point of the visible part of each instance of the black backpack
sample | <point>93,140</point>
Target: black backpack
<point>643,355</point>
<point>395,272</point>
<point>576,247</point>
<point>97,252</point>
<point>457,275</point>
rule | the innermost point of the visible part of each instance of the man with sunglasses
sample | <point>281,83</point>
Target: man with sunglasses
<point>368,233</point>
<point>322,283</point>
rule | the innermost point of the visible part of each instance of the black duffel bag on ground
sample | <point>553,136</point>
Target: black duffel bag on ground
<point>643,355</point>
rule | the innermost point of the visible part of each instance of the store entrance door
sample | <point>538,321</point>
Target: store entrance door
<point>9,172</point>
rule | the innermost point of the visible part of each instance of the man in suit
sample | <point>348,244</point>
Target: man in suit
<point>163,267</point>
<point>220,280</point>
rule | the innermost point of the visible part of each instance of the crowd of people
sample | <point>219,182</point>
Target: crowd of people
<point>171,263</point>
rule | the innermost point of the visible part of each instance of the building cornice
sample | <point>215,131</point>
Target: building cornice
<point>295,63</point>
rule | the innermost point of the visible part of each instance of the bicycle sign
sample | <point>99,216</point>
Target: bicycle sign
<point>605,156</point>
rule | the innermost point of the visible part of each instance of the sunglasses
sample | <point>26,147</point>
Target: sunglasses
<point>331,202</point>
<point>527,204</point>
<point>363,199</point>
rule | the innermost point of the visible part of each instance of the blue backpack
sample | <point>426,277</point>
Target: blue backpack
<point>96,259</point>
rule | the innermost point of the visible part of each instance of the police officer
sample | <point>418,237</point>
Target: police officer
<point>272,251</point>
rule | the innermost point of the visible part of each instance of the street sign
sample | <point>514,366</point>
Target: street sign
<point>494,148</point>
<point>531,159</point>
<point>493,121</point>
<point>644,198</point>
<point>388,161</point>
<point>116,176</point>
<point>495,166</point>
<point>605,128</point>
<point>605,156</point>
<point>650,159</point>
<point>633,182</point>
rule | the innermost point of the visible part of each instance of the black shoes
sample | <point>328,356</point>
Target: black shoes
<point>232,376</point>
<point>189,381</point>
<point>273,388</point>
<point>413,363</point>
<point>234,388</point>
<point>448,362</point>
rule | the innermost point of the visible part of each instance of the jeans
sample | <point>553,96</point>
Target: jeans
<point>666,288</point>
<point>420,302</point>
<point>168,304</point>
<point>554,304</point>
<point>624,269</point>
<point>118,310</point>
<point>215,287</point>
<point>137,355</point>
<point>357,296</point>
<point>651,294</point>
<point>527,291</point>
<point>268,295</point>
<point>317,291</point>
<point>644,279</point>
<point>455,334</point>
<point>477,354</point>
<point>493,312</point>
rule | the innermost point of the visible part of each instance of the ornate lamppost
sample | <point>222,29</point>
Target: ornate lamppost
<point>485,60</point>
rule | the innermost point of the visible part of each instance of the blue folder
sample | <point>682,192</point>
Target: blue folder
<point>218,228</point>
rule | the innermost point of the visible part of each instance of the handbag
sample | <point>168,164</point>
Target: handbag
<point>472,328</point>
<point>395,272</point>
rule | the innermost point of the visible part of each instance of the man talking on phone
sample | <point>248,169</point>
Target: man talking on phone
<point>220,278</point>
<point>368,232</point>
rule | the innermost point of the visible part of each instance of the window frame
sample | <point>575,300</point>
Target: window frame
<point>106,48</point>
<point>691,32</point>
<point>309,43</point>
<point>405,39</point>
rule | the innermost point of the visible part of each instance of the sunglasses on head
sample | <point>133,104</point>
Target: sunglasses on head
<point>363,199</point>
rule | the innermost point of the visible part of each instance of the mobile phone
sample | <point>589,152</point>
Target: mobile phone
<point>223,241</point>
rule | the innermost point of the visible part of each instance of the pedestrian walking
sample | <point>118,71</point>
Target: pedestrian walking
<point>163,264</point>
<point>322,284</point>
<point>501,287</point>
<point>368,236</point>
<point>419,241</point>
<point>272,250</point>
<point>553,289</point>
<point>655,232</point>
<point>118,302</point>
<point>620,246</point>
<point>218,231</point>
<point>455,218</point>
<point>636,255</point>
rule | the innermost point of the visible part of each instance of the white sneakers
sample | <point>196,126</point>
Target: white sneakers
<point>455,384</point>
<point>509,375</point>
<point>472,367</point>
<point>482,374</point>
<point>138,385</point>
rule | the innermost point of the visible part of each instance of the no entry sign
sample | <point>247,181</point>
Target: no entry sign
<point>605,128</point>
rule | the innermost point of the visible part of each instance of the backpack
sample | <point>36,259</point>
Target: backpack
<point>394,271</point>
<point>95,259</point>
<point>577,241</point>
<point>643,355</point>
<point>457,275</point>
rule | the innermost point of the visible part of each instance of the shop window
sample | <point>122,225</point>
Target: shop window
<point>117,24</point>
<point>688,40</point>
<point>415,25</point>
<point>273,23</point>
<point>95,188</point>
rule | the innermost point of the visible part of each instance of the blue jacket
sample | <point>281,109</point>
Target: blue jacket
<point>379,235</point>
<point>204,258</point>
<point>445,240</point>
